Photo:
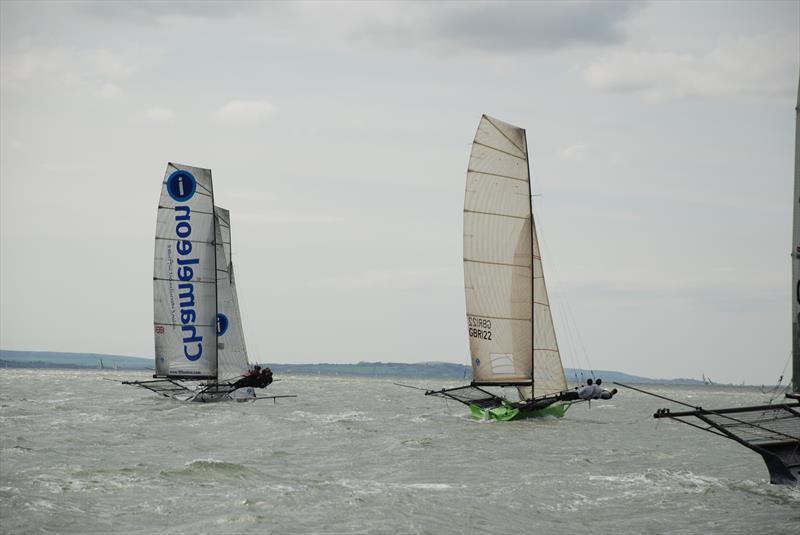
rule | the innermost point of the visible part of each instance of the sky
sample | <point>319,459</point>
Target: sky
<point>338,134</point>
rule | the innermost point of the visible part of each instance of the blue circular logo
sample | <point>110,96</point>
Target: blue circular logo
<point>181,185</point>
<point>222,324</point>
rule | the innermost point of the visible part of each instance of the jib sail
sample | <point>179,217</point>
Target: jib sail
<point>511,334</point>
<point>184,276</point>
<point>233,361</point>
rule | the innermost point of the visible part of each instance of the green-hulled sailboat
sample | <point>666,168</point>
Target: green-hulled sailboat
<point>512,340</point>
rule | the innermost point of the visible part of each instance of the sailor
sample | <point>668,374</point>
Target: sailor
<point>588,391</point>
<point>251,378</point>
<point>602,393</point>
<point>265,379</point>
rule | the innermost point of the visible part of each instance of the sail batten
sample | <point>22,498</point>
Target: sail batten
<point>511,334</point>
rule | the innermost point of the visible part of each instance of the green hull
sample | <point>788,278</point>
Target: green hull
<point>507,412</point>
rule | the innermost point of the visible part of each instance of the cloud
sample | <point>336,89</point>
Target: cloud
<point>93,68</point>
<point>149,12</point>
<point>574,152</point>
<point>245,111</point>
<point>498,27</point>
<point>760,66</point>
<point>159,115</point>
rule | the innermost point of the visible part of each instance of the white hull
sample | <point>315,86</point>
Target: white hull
<point>242,394</point>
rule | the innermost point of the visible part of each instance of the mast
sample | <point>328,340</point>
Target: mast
<point>533,270</point>
<point>796,253</point>
<point>216,281</point>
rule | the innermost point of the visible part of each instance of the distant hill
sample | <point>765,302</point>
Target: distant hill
<point>51,359</point>
<point>419,370</point>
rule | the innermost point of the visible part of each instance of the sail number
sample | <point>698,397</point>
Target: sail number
<point>479,328</point>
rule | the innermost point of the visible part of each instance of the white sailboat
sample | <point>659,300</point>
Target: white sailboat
<point>510,327</point>
<point>200,351</point>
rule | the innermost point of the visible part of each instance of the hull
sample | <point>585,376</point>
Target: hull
<point>203,393</point>
<point>242,394</point>
<point>508,412</point>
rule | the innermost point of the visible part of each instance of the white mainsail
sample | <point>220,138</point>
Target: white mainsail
<point>233,361</point>
<point>184,276</point>
<point>511,333</point>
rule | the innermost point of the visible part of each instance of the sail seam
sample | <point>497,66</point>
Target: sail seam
<point>498,317</point>
<point>179,280</point>
<point>494,214</point>
<point>504,134</point>
<point>181,324</point>
<point>497,174</point>
<point>182,239</point>
<point>523,158</point>
<point>497,263</point>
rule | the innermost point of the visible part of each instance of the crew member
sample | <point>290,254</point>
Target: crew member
<point>602,393</point>
<point>265,379</point>
<point>251,378</point>
<point>588,391</point>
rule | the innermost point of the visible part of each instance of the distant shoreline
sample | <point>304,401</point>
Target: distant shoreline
<point>418,370</point>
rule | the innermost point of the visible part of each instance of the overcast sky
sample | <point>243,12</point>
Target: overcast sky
<point>661,134</point>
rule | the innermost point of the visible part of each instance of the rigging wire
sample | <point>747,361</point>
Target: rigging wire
<point>778,389</point>
<point>579,355</point>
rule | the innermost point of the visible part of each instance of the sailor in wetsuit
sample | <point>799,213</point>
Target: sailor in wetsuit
<point>252,378</point>
<point>265,378</point>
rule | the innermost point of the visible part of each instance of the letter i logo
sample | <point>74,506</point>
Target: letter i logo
<point>181,185</point>
<point>222,324</point>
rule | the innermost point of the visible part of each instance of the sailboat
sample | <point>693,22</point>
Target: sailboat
<point>772,430</point>
<point>200,351</point>
<point>512,339</point>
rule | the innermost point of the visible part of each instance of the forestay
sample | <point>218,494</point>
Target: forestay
<point>506,296</point>
<point>233,361</point>
<point>184,278</point>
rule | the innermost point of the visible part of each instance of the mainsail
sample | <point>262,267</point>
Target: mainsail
<point>232,352</point>
<point>510,326</point>
<point>184,276</point>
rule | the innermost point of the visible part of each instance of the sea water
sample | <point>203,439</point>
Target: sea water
<point>83,454</point>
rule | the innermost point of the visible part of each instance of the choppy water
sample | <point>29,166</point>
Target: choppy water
<point>81,454</point>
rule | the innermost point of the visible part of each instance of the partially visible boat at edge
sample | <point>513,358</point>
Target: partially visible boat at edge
<point>771,430</point>
<point>511,334</point>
